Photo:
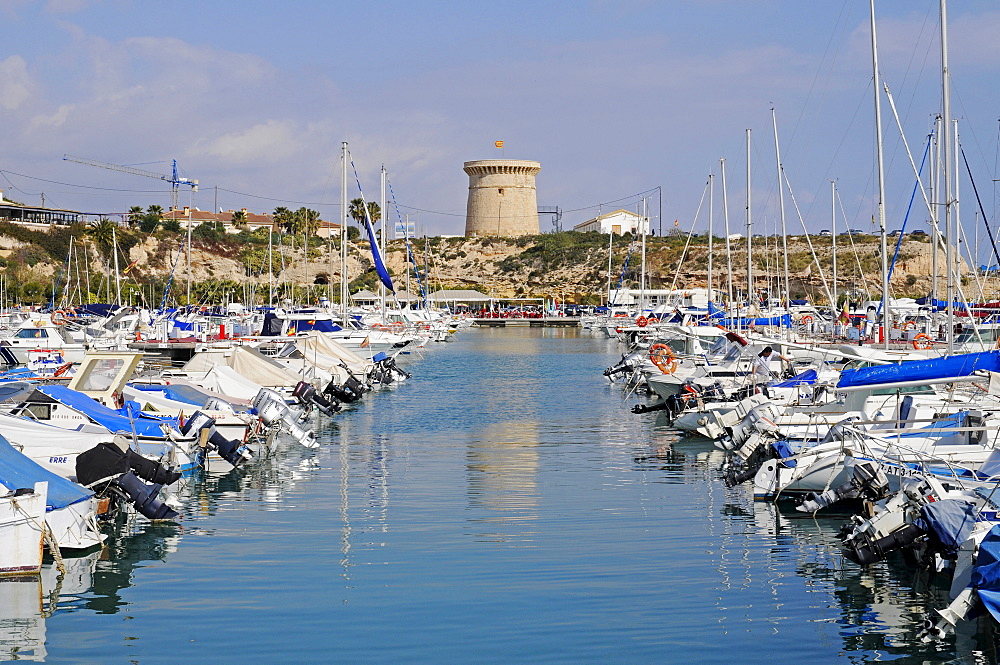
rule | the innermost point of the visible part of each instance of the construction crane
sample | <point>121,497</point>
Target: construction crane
<point>175,181</point>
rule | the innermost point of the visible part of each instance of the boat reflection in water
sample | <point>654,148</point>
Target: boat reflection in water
<point>95,581</point>
<point>879,609</point>
<point>129,547</point>
<point>26,602</point>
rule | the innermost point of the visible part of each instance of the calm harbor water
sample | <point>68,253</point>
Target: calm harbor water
<point>502,506</point>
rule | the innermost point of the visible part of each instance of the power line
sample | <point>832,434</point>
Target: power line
<point>5,172</point>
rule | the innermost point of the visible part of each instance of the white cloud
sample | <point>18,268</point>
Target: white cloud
<point>264,143</point>
<point>15,84</point>
<point>52,120</point>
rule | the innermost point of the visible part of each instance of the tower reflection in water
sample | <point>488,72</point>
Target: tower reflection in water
<point>502,468</point>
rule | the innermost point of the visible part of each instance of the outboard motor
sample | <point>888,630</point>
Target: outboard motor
<point>106,460</point>
<point>308,396</point>
<point>387,368</point>
<point>105,469</point>
<point>895,526</point>
<point>218,404</point>
<point>867,482</point>
<point>233,451</point>
<point>349,391</point>
<point>143,497</point>
<point>626,365</point>
<point>271,409</point>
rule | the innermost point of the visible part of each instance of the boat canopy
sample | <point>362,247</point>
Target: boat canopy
<point>17,471</point>
<point>314,342</point>
<point>116,420</point>
<point>806,378</point>
<point>986,572</point>
<point>922,370</point>
<point>783,321</point>
<point>247,362</point>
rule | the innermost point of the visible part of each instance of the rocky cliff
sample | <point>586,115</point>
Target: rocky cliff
<point>569,266</point>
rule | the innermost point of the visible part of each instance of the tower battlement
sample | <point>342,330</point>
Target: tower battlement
<point>502,197</point>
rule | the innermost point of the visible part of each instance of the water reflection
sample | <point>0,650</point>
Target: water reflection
<point>879,610</point>
<point>502,467</point>
<point>22,618</point>
<point>130,546</point>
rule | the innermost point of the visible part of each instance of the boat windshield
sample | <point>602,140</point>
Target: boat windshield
<point>988,335</point>
<point>32,333</point>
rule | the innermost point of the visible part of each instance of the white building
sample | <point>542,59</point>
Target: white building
<point>684,298</point>
<point>618,222</point>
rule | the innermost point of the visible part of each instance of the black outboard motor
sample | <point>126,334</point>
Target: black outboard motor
<point>105,469</point>
<point>143,497</point>
<point>309,396</point>
<point>108,459</point>
<point>233,451</point>
<point>866,550</point>
<point>384,370</point>
<point>349,391</point>
<point>867,482</point>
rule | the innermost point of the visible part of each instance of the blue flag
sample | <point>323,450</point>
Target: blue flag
<point>383,274</point>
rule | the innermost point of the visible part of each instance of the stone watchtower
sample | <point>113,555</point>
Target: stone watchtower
<point>502,200</point>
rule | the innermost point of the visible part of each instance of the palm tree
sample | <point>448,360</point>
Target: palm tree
<point>307,221</point>
<point>102,232</point>
<point>284,218</point>
<point>357,211</point>
<point>135,215</point>
<point>155,212</point>
<point>239,219</point>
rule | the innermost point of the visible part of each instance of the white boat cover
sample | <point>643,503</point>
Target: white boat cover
<point>226,382</point>
<point>246,362</point>
<point>314,343</point>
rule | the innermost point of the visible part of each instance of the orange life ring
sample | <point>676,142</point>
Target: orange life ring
<point>806,320</point>
<point>641,321</point>
<point>663,357</point>
<point>397,326</point>
<point>922,342</point>
<point>909,325</point>
<point>376,326</point>
<point>619,315</point>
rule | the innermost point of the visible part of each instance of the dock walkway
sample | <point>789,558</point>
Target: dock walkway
<point>545,322</point>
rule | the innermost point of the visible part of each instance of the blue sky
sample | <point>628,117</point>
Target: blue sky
<point>614,98</point>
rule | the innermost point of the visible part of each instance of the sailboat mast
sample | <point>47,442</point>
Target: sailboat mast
<point>381,240</point>
<point>711,228</point>
<point>781,207</point>
<point>725,215</point>
<point>948,163</point>
<point>886,314</point>
<point>749,228</point>
<point>833,240</point>
<point>642,273</point>
<point>343,231</point>
<point>118,280</point>
<point>935,227</point>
